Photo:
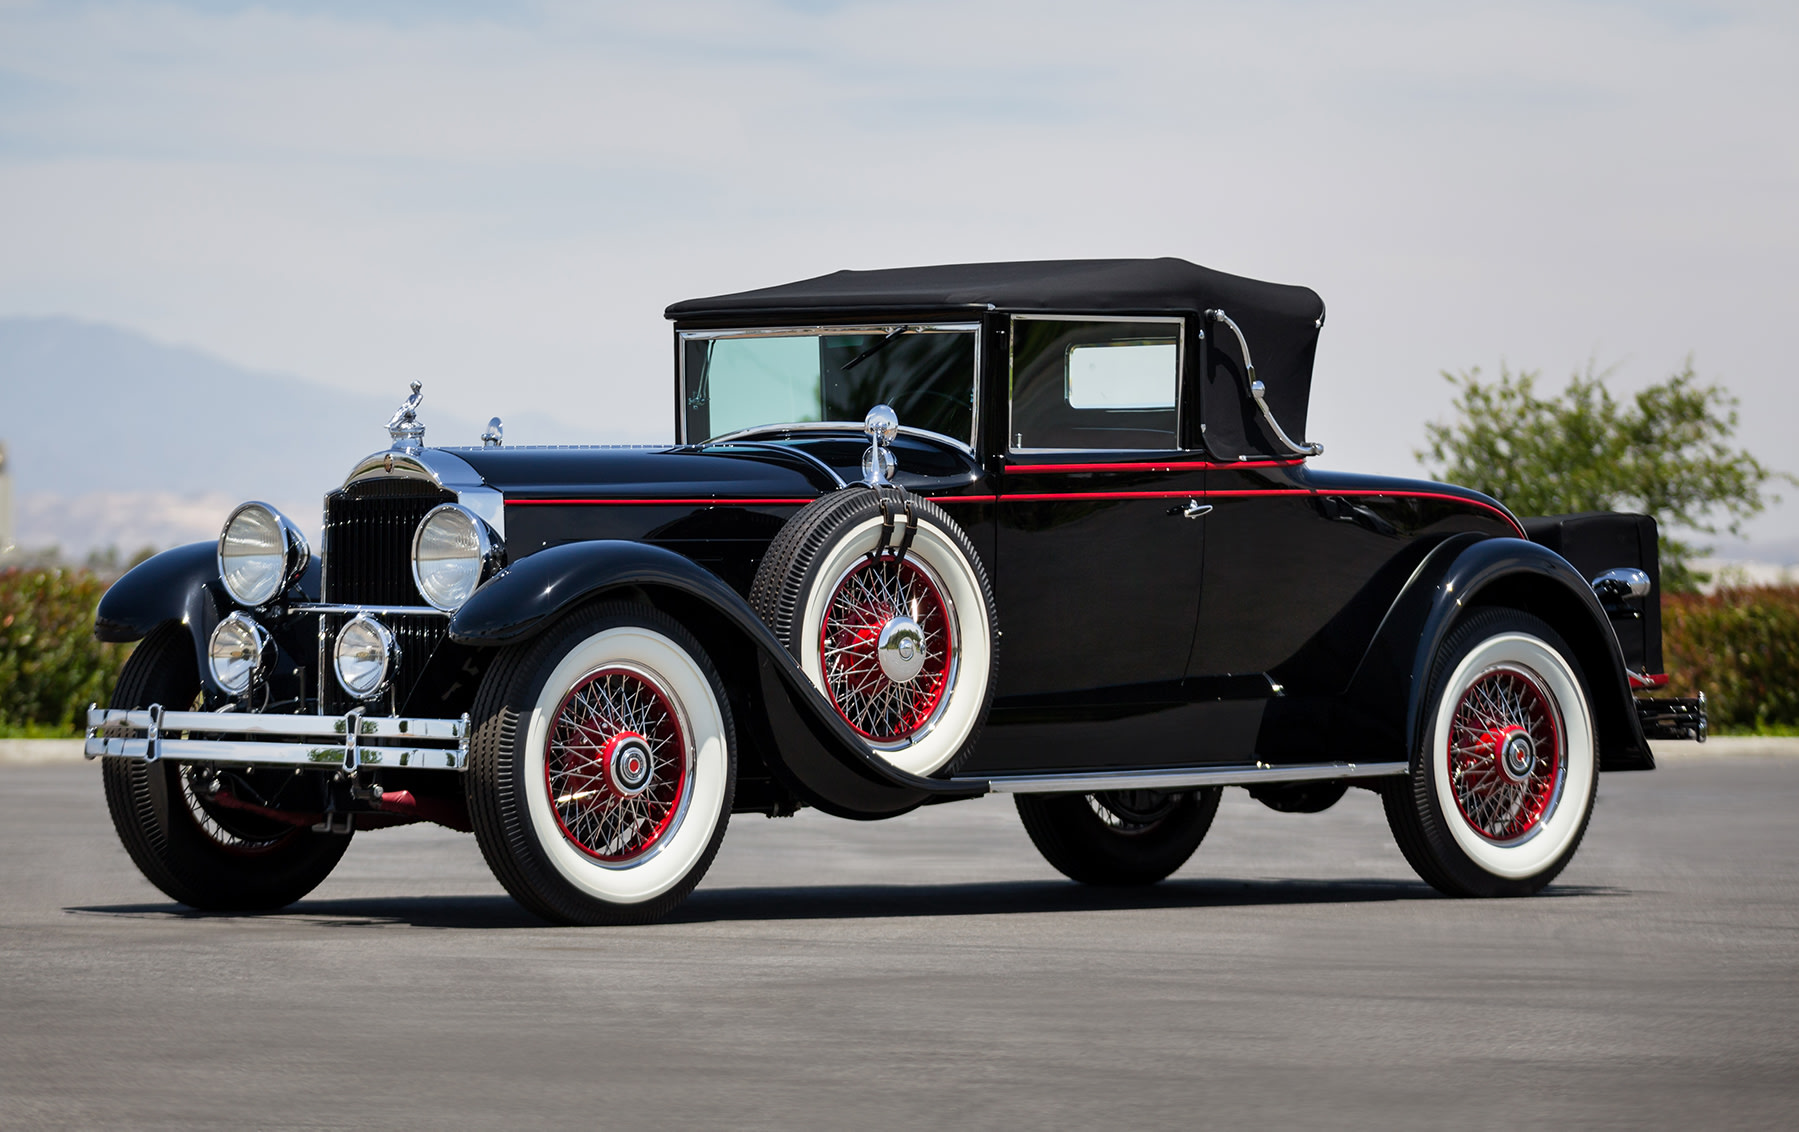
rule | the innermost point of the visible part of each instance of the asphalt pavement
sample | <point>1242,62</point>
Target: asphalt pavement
<point>925,972</point>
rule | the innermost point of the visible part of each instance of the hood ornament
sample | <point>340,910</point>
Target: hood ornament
<point>495,435</point>
<point>404,425</point>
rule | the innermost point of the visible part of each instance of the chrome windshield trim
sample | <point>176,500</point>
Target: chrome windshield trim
<point>1181,778</point>
<point>684,336</point>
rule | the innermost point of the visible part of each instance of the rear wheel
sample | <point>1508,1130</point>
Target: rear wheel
<point>1120,837</point>
<point>1502,786</point>
<point>197,851</point>
<point>602,768</point>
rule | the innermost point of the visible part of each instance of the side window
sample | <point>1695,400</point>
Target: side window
<point>1094,384</point>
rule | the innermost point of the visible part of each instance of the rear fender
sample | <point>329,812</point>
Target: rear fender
<point>1386,699</point>
<point>806,743</point>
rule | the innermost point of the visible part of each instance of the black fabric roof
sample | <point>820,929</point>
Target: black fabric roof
<point>1142,285</point>
<point>1280,322</point>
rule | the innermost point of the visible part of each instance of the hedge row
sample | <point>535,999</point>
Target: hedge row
<point>1740,645</point>
<point>51,667</point>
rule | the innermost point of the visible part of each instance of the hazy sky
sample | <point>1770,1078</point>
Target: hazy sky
<point>500,200</point>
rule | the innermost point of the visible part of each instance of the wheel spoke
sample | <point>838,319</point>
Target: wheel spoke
<point>601,812</point>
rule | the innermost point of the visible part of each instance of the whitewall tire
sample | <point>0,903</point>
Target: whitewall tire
<point>603,766</point>
<point>1502,786</point>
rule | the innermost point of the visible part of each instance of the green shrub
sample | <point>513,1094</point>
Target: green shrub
<point>1741,647</point>
<point>51,667</point>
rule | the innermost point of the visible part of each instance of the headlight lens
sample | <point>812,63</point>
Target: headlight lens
<point>364,656</point>
<point>261,553</point>
<point>453,552</point>
<point>236,652</point>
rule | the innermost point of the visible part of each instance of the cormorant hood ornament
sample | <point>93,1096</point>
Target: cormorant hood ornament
<point>404,425</point>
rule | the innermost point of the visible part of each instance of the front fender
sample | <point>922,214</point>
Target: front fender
<point>1388,692</point>
<point>162,588</point>
<point>824,760</point>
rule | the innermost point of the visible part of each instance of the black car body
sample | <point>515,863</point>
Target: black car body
<point>1172,599</point>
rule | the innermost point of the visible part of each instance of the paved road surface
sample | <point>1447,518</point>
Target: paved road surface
<point>929,971</point>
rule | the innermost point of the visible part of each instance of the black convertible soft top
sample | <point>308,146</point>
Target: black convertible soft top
<point>1279,321</point>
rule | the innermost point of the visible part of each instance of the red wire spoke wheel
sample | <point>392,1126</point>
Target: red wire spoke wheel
<point>616,764</point>
<point>1506,758</point>
<point>887,646</point>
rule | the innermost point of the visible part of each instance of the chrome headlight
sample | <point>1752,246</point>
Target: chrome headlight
<point>365,656</point>
<point>236,652</point>
<point>453,552</point>
<point>261,553</point>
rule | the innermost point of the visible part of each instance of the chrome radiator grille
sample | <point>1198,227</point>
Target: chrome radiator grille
<point>368,561</point>
<point>368,540</point>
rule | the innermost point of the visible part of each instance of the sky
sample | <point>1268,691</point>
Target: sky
<point>499,200</point>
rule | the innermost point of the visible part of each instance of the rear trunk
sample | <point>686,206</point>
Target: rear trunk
<point>1597,541</point>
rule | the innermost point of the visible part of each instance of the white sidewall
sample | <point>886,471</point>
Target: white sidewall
<point>974,636</point>
<point>702,724</point>
<point>1558,831</point>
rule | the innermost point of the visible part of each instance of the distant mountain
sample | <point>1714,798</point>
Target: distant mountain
<point>116,439</point>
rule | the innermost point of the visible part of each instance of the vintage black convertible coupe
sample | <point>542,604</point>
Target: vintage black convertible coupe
<point>928,533</point>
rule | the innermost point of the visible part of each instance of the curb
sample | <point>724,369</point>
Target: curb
<point>1727,746</point>
<point>39,752</point>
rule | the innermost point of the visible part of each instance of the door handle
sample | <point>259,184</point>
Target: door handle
<point>1194,509</point>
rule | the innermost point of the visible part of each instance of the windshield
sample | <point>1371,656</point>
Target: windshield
<point>735,380</point>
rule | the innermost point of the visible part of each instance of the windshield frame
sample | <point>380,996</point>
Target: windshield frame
<point>682,337</point>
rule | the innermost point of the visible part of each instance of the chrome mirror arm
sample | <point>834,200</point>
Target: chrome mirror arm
<point>1258,391</point>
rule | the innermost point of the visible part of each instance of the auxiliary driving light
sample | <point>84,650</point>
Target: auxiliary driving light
<point>365,656</point>
<point>236,652</point>
<point>261,553</point>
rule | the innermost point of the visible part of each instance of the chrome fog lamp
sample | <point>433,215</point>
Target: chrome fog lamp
<point>236,652</point>
<point>453,552</point>
<point>364,656</point>
<point>261,553</point>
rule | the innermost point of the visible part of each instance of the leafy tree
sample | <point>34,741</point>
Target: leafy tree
<point>1664,452</point>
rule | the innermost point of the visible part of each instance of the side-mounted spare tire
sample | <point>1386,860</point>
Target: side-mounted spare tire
<point>880,597</point>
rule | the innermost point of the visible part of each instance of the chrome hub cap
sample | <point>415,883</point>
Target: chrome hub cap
<point>628,763</point>
<point>901,649</point>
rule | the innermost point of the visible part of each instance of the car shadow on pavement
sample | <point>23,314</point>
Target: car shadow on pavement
<point>845,902</point>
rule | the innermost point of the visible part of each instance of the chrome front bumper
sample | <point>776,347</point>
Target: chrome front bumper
<point>322,742</point>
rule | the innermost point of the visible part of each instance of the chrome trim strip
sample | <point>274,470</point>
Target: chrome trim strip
<point>1181,778</point>
<point>377,610</point>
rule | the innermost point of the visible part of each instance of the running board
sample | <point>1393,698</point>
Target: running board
<point>1180,778</point>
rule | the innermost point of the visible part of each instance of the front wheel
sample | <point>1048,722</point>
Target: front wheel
<point>1502,785</point>
<point>170,821</point>
<point>602,767</point>
<point>1120,837</point>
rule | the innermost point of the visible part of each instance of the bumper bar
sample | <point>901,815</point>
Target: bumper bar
<point>1673,718</point>
<point>340,742</point>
